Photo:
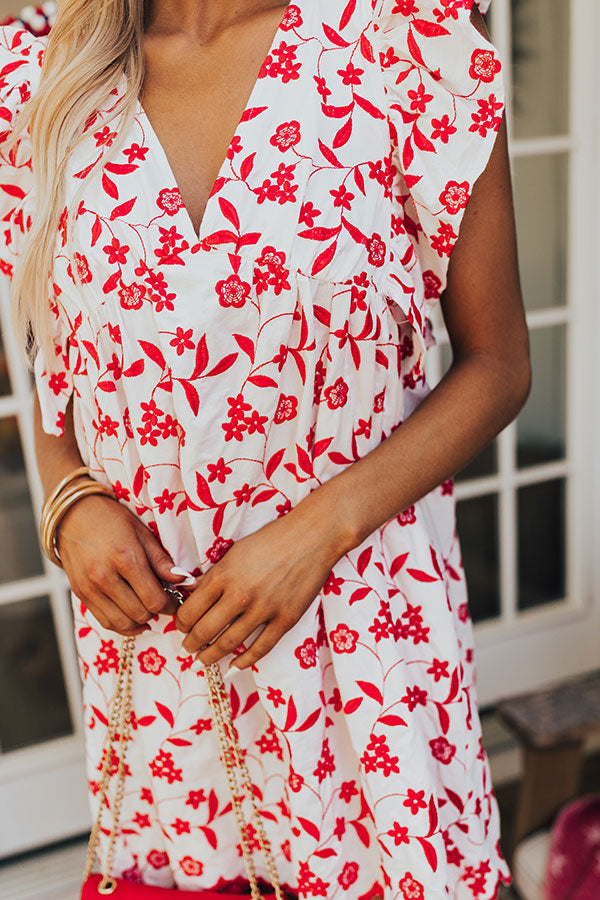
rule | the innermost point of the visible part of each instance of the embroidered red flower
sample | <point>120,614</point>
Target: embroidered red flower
<point>432,285</point>
<point>411,888</point>
<point>376,250</point>
<point>158,859</point>
<point>151,661</point>
<point>83,269</point>
<point>455,196</point>
<point>233,291</point>
<point>169,200</point>
<point>57,383</point>
<point>407,516</point>
<point>191,866</point>
<point>336,394</point>
<point>484,65</point>
<point>287,408</point>
<point>442,749</point>
<point>306,653</point>
<point>132,295</point>
<point>286,136</point>
<point>343,639</point>
<point>348,875</point>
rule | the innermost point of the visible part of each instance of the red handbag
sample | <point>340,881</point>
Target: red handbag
<point>96,884</point>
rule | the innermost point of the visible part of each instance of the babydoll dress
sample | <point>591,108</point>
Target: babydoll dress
<point>219,378</point>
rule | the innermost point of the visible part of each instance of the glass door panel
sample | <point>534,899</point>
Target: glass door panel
<point>33,700</point>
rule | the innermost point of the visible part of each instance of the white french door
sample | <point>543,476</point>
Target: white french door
<point>528,506</point>
<point>42,778</point>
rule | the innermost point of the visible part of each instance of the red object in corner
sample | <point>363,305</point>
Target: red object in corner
<point>573,865</point>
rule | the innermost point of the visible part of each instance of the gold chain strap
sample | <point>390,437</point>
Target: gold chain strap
<point>231,754</point>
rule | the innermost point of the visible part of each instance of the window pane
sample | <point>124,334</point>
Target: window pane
<point>477,521</point>
<point>541,509</point>
<point>485,463</point>
<point>540,195</point>
<point>21,556</point>
<point>33,702</point>
<point>540,60</point>
<point>541,423</point>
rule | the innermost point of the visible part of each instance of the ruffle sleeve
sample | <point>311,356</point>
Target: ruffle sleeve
<point>445,94</point>
<point>21,55</point>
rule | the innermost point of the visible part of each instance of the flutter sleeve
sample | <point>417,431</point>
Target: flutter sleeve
<point>21,55</point>
<point>445,99</point>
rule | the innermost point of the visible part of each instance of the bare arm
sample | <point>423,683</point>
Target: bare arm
<point>111,558</point>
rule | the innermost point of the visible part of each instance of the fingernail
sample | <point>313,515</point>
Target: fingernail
<point>231,671</point>
<point>177,570</point>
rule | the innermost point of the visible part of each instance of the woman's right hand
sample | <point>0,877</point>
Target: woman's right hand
<point>114,562</point>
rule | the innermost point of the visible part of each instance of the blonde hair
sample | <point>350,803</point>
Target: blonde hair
<point>90,47</point>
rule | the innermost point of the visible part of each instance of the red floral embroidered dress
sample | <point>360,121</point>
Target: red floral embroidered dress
<point>218,378</point>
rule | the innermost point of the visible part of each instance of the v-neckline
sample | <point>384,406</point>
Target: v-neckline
<point>250,103</point>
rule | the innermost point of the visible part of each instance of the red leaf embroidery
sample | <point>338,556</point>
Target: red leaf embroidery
<point>153,352</point>
<point>352,704</point>
<point>343,135</point>
<point>230,212</point>
<point>210,835</point>
<point>392,720</point>
<point>292,715</point>
<point>429,29</point>
<point>203,490</point>
<point>201,358</point>
<point>429,851</point>
<point>324,258</point>
<point>110,187</point>
<point>309,827</point>
<point>123,208</point>
<point>224,364</point>
<point>371,690</point>
<point>347,14</point>
<point>165,713</point>
<point>334,37</point>
<point>418,575</point>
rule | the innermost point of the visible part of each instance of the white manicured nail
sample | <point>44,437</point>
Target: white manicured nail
<point>231,671</point>
<point>189,579</point>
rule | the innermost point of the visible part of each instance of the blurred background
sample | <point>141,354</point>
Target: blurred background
<point>528,506</point>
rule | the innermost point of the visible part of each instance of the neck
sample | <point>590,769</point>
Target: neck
<point>199,19</point>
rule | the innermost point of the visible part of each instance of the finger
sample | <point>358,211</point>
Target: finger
<point>133,567</point>
<point>110,617</point>
<point>122,594</point>
<point>158,558</point>
<point>229,639</point>
<point>265,641</point>
<point>220,615</point>
<point>198,602</point>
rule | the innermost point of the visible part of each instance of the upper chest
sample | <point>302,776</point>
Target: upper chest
<point>194,95</point>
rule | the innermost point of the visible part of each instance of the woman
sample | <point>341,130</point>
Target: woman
<point>243,261</point>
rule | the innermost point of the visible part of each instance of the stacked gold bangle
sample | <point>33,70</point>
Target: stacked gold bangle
<point>59,501</point>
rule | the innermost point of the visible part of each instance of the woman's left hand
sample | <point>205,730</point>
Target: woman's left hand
<point>270,578</point>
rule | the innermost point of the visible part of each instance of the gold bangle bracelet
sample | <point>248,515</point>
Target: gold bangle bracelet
<point>50,510</point>
<point>50,536</point>
<point>49,542</point>
<point>62,503</point>
<point>80,470</point>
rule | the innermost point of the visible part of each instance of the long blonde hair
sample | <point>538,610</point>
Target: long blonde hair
<point>90,47</point>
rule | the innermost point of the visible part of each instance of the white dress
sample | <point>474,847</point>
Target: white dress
<point>218,378</point>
